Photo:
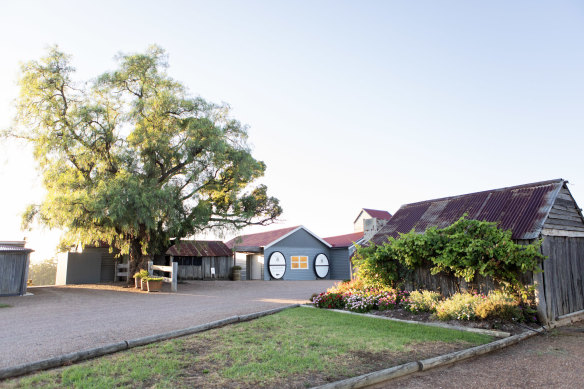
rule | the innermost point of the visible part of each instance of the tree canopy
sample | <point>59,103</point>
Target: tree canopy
<point>131,159</point>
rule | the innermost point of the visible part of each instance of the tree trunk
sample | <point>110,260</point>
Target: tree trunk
<point>136,259</point>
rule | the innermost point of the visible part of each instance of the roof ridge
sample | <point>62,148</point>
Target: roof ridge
<point>530,185</point>
<point>266,232</point>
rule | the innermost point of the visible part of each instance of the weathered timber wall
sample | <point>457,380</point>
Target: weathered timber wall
<point>448,285</point>
<point>563,275</point>
<point>202,269</point>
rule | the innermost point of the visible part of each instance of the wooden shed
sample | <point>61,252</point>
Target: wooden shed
<point>542,210</point>
<point>201,259</point>
<point>14,262</point>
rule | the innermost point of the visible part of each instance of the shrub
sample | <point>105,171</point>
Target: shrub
<point>391,300</point>
<point>421,301</point>
<point>499,306</point>
<point>152,278</point>
<point>346,286</point>
<point>329,300</point>
<point>459,306</point>
<point>361,303</point>
<point>141,274</point>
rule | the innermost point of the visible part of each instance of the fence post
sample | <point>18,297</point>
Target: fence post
<point>173,285</point>
<point>150,263</point>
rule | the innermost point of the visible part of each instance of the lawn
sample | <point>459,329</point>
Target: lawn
<point>295,348</point>
<point>5,306</point>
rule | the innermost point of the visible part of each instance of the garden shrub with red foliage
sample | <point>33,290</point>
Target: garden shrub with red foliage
<point>329,300</point>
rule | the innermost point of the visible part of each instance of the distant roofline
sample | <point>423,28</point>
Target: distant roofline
<point>371,209</point>
<point>234,239</point>
<point>293,231</point>
<point>539,183</point>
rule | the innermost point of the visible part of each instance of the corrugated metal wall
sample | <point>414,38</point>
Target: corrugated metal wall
<point>339,264</point>
<point>13,273</point>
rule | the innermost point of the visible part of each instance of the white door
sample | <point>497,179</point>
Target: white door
<point>255,264</point>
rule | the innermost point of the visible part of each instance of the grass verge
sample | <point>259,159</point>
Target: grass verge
<point>5,305</point>
<point>294,348</point>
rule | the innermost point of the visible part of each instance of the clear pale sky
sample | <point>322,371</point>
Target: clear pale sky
<point>351,104</point>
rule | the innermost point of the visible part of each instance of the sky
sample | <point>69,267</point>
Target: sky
<point>351,104</point>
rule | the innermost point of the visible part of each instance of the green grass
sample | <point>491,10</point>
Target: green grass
<point>296,347</point>
<point>5,305</point>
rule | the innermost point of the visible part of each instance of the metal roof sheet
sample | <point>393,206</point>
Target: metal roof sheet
<point>8,248</point>
<point>522,209</point>
<point>260,239</point>
<point>199,248</point>
<point>378,214</point>
<point>344,240</point>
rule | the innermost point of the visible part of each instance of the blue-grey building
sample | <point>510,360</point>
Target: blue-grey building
<point>293,253</point>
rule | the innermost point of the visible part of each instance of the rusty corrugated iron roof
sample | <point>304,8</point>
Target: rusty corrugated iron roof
<point>199,248</point>
<point>522,209</point>
<point>344,240</point>
<point>260,239</point>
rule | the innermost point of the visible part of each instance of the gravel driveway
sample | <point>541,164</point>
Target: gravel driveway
<point>59,320</point>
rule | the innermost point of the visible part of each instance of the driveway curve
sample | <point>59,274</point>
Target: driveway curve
<point>59,320</point>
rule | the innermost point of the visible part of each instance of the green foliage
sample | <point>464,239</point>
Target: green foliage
<point>44,273</point>
<point>153,278</point>
<point>421,301</point>
<point>459,306</point>
<point>131,159</point>
<point>377,266</point>
<point>141,274</point>
<point>464,249</point>
<point>236,267</point>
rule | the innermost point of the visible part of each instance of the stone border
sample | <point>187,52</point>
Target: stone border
<point>497,334</point>
<point>82,355</point>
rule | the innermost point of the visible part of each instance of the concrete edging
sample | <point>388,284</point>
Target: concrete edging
<point>78,356</point>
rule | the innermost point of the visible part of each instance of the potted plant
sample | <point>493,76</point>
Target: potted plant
<point>143,275</point>
<point>236,273</point>
<point>154,284</point>
<point>138,278</point>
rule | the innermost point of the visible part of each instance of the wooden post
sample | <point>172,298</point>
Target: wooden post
<point>150,263</point>
<point>174,284</point>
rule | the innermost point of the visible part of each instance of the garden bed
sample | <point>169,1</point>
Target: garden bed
<point>426,317</point>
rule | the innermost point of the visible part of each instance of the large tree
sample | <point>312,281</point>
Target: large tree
<point>131,159</point>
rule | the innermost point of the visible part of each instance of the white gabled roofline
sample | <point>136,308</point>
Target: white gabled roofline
<point>293,231</point>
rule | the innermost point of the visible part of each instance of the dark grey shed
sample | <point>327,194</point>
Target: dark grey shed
<point>14,261</point>
<point>533,211</point>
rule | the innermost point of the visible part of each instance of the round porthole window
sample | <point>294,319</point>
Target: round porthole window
<point>277,265</point>
<point>321,265</point>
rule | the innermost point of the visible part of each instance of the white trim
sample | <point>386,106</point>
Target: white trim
<point>293,231</point>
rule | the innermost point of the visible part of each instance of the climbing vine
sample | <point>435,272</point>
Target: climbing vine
<point>464,249</point>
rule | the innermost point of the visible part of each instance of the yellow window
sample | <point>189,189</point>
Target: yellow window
<point>299,262</point>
